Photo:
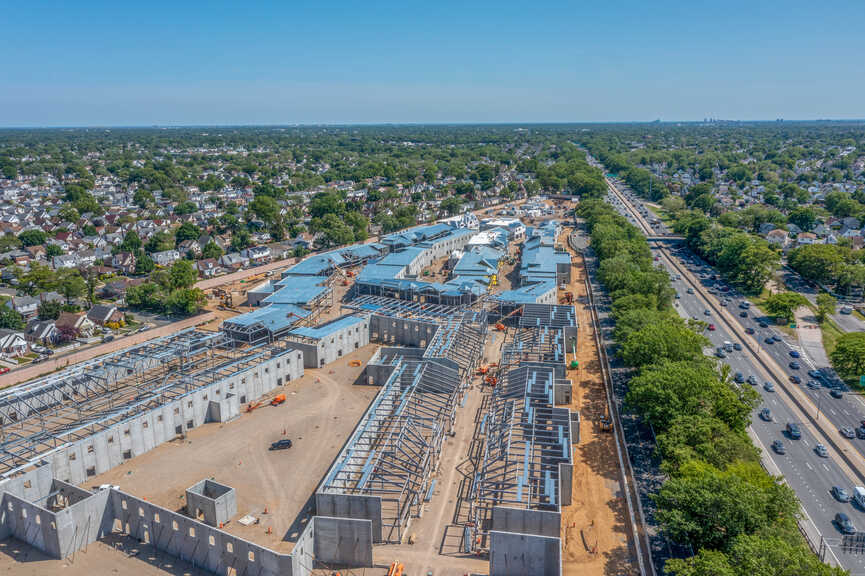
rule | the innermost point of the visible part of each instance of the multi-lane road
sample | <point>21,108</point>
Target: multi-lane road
<point>810,475</point>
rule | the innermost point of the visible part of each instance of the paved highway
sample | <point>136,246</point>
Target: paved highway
<point>808,474</point>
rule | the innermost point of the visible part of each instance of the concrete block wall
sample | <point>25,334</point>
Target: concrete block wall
<point>203,546</point>
<point>525,521</point>
<point>78,461</point>
<point>343,541</point>
<point>335,345</point>
<point>211,502</point>
<point>514,554</point>
<point>401,331</point>
<point>56,532</point>
<point>356,506</point>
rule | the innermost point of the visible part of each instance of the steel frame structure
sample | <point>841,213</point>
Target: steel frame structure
<point>50,412</point>
<point>525,439</point>
<point>396,446</point>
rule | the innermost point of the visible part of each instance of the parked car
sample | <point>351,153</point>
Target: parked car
<point>836,393</point>
<point>281,444</point>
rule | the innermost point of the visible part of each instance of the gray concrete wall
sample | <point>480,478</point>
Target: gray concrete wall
<point>205,547</point>
<point>562,392</point>
<point>56,533</point>
<point>32,524</point>
<point>351,506</point>
<point>78,461</point>
<point>216,502</point>
<point>302,559</point>
<point>524,521</point>
<point>343,541</point>
<point>401,331</point>
<point>566,479</point>
<point>333,346</point>
<point>524,554</point>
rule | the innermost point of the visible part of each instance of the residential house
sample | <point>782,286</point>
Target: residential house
<point>24,305</point>
<point>257,254</point>
<point>124,261</point>
<point>806,238</point>
<point>166,257</point>
<point>71,325</point>
<point>234,260</point>
<point>65,261</point>
<point>778,237</point>
<point>207,268</point>
<point>12,343</point>
<point>103,314</point>
<point>42,332</point>
<point>766,227</point>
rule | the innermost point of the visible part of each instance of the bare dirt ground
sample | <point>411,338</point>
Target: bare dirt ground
<point>321,410</point>
<point>595,535</point>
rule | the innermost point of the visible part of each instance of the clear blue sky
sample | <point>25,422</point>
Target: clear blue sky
<point>75,63</point>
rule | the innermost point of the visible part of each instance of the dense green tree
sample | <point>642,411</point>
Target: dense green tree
<point>183,274</point>
<point>32,237</point>
<point>825,305</point>
<point>655,343</point>
<point>49,310</point>
<point>783,304</point>
<point>848,357</point>
<point>10,319</point>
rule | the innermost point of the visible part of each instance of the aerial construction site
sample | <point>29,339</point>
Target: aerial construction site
<point>430,403</point>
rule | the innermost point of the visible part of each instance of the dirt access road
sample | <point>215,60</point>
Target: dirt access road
<point>595,535</point>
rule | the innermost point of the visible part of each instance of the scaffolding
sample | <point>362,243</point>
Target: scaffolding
<point>50,412</point>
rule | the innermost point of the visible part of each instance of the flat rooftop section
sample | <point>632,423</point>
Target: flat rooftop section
<point>325,330</point>
<point>526,294</point>
<point>320,412</point>
<point>272,317</point>
<point>298,290</point>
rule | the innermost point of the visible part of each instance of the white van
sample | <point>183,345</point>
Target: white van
<point>859,496</point>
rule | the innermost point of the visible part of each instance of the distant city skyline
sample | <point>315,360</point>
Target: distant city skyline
<point>217,63</point>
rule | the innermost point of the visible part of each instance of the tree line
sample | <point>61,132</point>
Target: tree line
<point>739,520</point>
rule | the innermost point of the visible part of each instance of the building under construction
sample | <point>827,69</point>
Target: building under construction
<point>95,415</point>
<point>386,469</point>
<point>523,470</point>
